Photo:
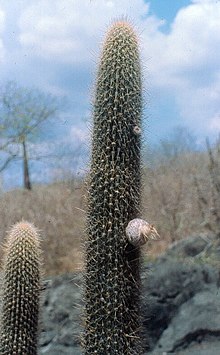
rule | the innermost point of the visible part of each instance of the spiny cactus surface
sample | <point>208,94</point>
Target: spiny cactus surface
<point>112,281</point>
<point>20,291</point>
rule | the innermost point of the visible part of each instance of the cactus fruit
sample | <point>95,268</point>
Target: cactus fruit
<point>112,280</point>
<point>20,291</point>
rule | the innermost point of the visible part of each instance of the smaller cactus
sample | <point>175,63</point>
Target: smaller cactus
<point>21,285</point>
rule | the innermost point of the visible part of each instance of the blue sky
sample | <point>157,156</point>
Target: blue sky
<point>55,45</point>
<point>167,11</point>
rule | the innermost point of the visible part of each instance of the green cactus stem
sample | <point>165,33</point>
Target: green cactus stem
<point>20,291</point>
<point>112,280</point>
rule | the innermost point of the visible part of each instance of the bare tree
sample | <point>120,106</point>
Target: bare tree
<point>22,114</point>
<point>169,184</point>
<point>179,142</point>
<point>208,197</point>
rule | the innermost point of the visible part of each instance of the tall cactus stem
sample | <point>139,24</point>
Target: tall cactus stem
<point>112,280</point>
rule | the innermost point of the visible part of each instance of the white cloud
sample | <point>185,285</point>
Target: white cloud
<point>79,135</point>
<point>192,43</point>
<point>185,61</point>
<point>204,1</point>
<point>215,123</point>
<point>2,20</point>
<point>2,26</point>
<point>69,30</point>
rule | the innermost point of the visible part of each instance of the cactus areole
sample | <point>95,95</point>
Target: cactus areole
<point>112,281</point>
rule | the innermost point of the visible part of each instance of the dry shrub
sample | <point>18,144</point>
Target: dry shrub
<point>180,196</point>
<point>208,190</point>
<point>58,212</point>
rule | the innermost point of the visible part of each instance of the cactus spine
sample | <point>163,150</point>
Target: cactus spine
<point>20,291</point>
<point>112,281</point>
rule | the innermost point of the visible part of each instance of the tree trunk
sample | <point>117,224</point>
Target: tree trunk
<point>27,182</point>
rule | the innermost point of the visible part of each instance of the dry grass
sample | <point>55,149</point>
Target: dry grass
<point>170,201</point>
<point>58,212</point>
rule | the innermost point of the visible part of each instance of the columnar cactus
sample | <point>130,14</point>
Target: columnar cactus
<point>20,291</point>
<point>112,281</point>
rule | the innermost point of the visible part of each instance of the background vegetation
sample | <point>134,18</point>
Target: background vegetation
<point>181,196</point>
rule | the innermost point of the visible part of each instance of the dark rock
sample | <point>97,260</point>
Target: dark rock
<point>180,305</point>
<point>166,286</point>
<point>61,316</point>
<point>61,350</point>
<point>190,247</point>
<point>195,326</point>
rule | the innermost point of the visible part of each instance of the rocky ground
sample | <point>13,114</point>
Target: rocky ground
<point>181,304</point>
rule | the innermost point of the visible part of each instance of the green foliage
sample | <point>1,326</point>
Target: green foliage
<point>112,281</point>
<point>20,291</point>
